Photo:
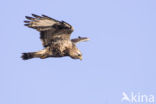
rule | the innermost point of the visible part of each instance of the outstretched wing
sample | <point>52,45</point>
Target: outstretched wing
<point>79,39</point>
<point>50,29</point>
<point>40,23</point>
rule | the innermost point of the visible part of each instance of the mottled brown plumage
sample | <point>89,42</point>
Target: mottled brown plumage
<point>55,37</point>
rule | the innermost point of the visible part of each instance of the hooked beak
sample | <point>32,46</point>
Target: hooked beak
<point>81,58</point>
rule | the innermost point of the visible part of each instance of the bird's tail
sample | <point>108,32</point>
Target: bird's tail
<point>26,56</point>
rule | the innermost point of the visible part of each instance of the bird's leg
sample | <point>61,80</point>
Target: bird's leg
<point>45,53</point>
<point>42,53</point>
<point>44,56</point>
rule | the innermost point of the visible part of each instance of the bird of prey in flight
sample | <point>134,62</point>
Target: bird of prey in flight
<point>55,37</point>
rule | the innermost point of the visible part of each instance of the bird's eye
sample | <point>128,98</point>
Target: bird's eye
<point>79,54</point>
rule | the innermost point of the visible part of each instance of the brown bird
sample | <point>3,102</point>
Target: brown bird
<point>55,37</point>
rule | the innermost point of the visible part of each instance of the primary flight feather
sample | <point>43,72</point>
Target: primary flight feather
<point>55,37</point>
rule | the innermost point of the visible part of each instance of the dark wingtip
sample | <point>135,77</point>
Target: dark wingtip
<point>27,21</point>
<point>26,24</point>
<point>82,37</point>
<point>43,15</point>
<point>30,18</point>
<point>37,16</point>
<point>46,16</point>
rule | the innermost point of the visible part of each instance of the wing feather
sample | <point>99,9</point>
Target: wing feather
<point>29,18</point>
<point>36,16</point>
<point>40,23</point>
<point>51,30</point>
<point>79,39</point>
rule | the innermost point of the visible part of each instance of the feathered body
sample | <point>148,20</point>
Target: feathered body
<point>55,37</point>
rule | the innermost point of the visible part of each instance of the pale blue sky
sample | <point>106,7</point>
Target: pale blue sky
<point>121,55</point>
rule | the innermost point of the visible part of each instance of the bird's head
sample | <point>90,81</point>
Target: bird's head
<point>75,53</point>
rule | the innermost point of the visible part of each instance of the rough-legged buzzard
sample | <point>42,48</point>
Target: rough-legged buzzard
<point>55,37</point>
